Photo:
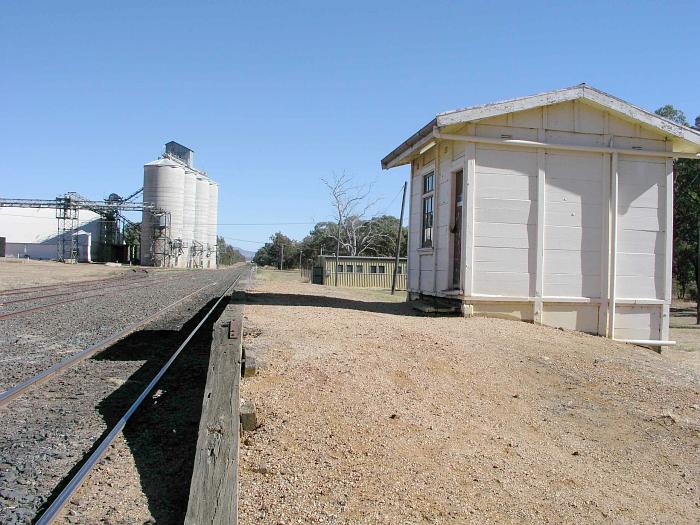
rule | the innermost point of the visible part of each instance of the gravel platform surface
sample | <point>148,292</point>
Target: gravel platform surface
<point>46,432</point>
<point>371,414</point>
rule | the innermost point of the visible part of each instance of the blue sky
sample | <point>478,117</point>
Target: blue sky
<point>273,96</point>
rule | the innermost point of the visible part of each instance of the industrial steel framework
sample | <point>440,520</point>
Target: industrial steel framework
<point>111,211</point>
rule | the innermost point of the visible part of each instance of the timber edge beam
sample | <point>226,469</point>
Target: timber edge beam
<point>213,497</point>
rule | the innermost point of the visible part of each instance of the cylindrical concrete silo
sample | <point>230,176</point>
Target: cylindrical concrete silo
<point>164,186</point>
<point>188,215</point>
<point>201,218</point>
<point>213,206</point>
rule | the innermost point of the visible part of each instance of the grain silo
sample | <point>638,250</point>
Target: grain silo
<point>183,232</point>
<point>188,215</point>
<point>201,219</point>
<point>164,186</point>
<point>213,205</point>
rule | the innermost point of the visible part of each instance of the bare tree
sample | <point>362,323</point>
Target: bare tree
<point>352,204</point>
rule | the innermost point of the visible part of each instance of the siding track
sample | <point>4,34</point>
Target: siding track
<point>63,399</point>
<point>76,481</point>
<point>18,390</point>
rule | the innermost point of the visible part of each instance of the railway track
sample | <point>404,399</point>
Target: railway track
<point>66,391</point>
<point>57,505</point>
<point>74,284</point>
<point>16,391</point>
<point>109,289</point>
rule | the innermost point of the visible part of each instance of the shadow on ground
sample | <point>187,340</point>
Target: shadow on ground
<point>686,311</point>
<point>320,301</point>
<point>162,434</point>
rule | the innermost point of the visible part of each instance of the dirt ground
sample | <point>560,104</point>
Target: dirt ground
<point>372,414</point>
<point>21,273</point>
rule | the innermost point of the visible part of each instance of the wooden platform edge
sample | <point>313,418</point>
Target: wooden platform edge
<point>213,495</point>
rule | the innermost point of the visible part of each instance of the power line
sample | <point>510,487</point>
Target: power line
<point>245,240</point>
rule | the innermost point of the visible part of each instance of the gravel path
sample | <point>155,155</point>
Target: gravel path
<point>371,414</point>
<point>46,432</point>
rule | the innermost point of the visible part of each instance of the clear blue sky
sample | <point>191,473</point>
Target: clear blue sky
<point>272,96</point>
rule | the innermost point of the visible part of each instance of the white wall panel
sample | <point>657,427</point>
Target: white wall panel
<point>637,322</point>
<point>561,116</point>
<point>506,186</point>
<point>506,132</point>
<point>532,118</point>
<point>578,139</point>
<point>575,215</point>
<point>505,208</point>
<point>572,285</point>
<point>572,238</point>
<point>490,259</point>
<point>505,161</point>
<point>640,254</point>
<point>589,119</point>
<point>504,235</point>
<point>502,211</point>
<point>503,283</point>
<point>579,317</point>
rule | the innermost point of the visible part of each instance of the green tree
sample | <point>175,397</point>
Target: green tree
<point>132,233</point>
<point>671,113</point>
<point>227,254</point>
<point>383,242</point>
<point>686,218</point>
<point>270,253</point>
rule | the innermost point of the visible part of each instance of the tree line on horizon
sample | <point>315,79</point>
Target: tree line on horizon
<point>374,237</point>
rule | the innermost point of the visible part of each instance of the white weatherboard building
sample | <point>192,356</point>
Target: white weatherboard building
<point>555,208</point>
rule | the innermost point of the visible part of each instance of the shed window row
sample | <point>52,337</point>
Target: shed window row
<point>348,268</point>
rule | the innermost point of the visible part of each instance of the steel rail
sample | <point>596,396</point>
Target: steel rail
<point>107,286</point>
<point>45,287</point>
<point>129,286</point>
<point>19,389</point>
<point>32,309</point>
<point>74,484</point>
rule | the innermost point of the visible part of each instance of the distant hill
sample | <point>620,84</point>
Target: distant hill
<point>245,253</point>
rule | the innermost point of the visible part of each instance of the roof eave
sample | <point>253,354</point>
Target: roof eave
<point>405,152</point>
<point>591,94</point>
<point>402,154</point>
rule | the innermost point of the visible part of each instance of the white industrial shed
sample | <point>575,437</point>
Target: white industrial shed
<point>555,208</point>
<point>32,233</point>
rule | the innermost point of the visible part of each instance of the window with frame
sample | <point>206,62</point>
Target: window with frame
<point>372,269</point>
<point>340,268</point>
<point>427,223</point>
<point>380,269</point>
<point>348,268</point>
<point>399,269</point>
<point>359,269</point>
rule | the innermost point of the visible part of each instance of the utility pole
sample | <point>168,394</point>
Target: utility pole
<point>301,272</point>
<point>398,241</point>
<point>281,256</point>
